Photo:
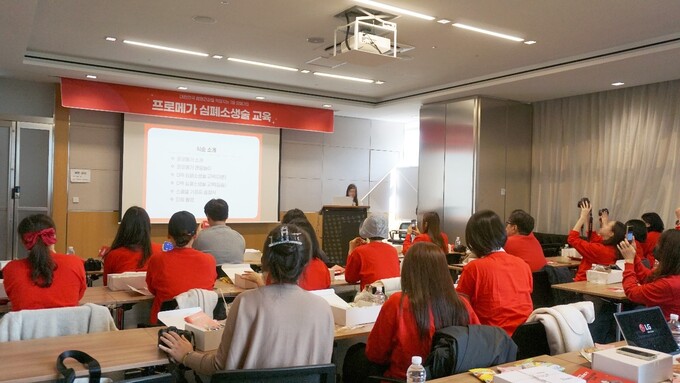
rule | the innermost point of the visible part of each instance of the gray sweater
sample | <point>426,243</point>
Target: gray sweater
<point>273,326</point>
<point>225,244</point>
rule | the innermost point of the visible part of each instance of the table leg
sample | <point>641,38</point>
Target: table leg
<point>120,317</point>
<point>618,329</point>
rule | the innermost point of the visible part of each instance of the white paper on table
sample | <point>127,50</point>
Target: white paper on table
<point>231,269</point>
<point>176,317</point>
<point>143,291</point>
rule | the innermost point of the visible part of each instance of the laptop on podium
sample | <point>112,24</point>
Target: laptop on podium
<point>647,328</point>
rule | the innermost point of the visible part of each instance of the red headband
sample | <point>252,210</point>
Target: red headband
<point>48,236</point>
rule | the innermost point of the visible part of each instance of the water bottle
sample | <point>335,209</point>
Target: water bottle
<point>379,296</point>
<point>674,324</point>
<point>416,371</point>
<point>457,242</point>
<point>70,250</point>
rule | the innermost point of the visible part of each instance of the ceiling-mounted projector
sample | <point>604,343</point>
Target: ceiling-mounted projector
<point>370,34</point>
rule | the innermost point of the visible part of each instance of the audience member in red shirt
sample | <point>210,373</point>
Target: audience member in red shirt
<point>132,247</point>
<point>521,241</point>
<point>409,319</point>
<point>497,284</point>
<point>655,227</point>
<point>431,233</point>
<point>316,275</point>
<point>371,260</point>
<point>661,286</point>
<point>602,247</point>
<point>180,269</point>
<point>44,279</point>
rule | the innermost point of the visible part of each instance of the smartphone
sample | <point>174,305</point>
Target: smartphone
<point>636,353</point>
<point>629,234</point>
<point>414,223</point>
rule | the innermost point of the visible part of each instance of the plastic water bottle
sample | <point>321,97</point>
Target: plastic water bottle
<point>416,371</point>
<point>379,296</point>
<point>674,324</point>
<point>70,250</point>
<point>457,242</point>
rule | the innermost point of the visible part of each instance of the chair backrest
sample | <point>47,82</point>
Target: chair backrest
<point>320,373</point>
<point>531,340</point>
<point>46,323</point>
<point>541,295</point>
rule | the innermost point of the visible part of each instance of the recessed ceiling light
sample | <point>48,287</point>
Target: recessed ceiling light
<point>259,97</point>
<point>182,88</point>
<point>530,42</point>
<point>378,82</point>
<point>443,21</point>
<point>488,32</point>
<point>315,40</point>
<point>109,38</point>
<point>327,105</point>
<point>357,79</point>
<point>395,9</point>
<point>262,64</point>
<point>204,19</point>
<point>164,48</point>
<point>618,83</point>
<point>218,57</point>
<point>91,76</point>
<point>304,71</point>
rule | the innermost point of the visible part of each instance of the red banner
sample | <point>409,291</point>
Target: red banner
<point>92,95</point>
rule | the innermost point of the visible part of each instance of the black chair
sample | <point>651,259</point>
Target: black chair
<point>531,340</point>
<point>400,234</point>
<point>541,295</point>
<point>321,373</point>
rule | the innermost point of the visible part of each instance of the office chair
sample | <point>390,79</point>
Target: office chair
<point>320,373</point>
<point>531,340</point>
<point>541,295</point>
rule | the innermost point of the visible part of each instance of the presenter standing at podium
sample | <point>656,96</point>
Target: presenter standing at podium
<point>352,192</point>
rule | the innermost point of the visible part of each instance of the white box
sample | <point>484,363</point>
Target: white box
<point>124,281</point>
<point>571,253</point>
<point>243,283</point>
<point>252,256</point>
<point>604,277</point>
<point>176,317</point>
<point>346,315</point>
<point>205,340</point>
<point>642,371</point>
<point>540,374</point>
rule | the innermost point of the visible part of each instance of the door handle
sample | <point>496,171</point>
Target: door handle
<point>16,192</point>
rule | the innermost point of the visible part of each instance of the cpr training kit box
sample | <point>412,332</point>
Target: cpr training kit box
<point>124,281</point>
<point>345,314</point>
<point>539,374</point>
<point>639,370</point>
<point>604,277</point>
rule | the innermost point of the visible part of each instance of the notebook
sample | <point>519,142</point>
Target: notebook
<point>647,328</point>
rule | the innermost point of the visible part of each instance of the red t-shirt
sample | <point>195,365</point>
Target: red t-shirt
<point>649,245</point>
<point>68,284</point>
<point>423,238</point>
<point>663,292</point>
<point>125,259</point>
<point>177,271</point>
<point>499,288</point>
<point>315,276</point>
<point>370,262</point>
<point>527,248</point>
<point>395,338</point>
<point>592,252</point>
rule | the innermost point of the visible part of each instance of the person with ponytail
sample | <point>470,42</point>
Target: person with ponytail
<point>180,269</point>
<point>44,279</point>
<point>132,247</point>
<point>431,233</point>
<point>274,326</point>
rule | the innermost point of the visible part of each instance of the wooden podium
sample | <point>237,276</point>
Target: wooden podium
<point>340,225</point>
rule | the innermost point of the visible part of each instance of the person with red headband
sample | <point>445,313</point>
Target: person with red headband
<point>44,279</point>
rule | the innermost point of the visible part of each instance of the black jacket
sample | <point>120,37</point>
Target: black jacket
<point>457,349</point>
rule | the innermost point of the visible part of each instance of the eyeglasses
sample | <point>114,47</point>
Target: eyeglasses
<point>509,223</point>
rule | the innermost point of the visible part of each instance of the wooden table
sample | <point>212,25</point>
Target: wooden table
<point>34,360</point>
<point>563,262</point>
<point>613,292</point>
<point>467,377</point>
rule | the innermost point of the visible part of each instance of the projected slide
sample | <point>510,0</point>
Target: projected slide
<point>184,168</point>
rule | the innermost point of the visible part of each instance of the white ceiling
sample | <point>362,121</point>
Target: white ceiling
<point>583,46</point>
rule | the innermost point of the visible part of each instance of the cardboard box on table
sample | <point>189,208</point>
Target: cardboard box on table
<point>604,277</point>
<point>243,283</point>
<point>346,315</point>
<point>124,281</point>
<point>205,340</point>
<point>639,370</point>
